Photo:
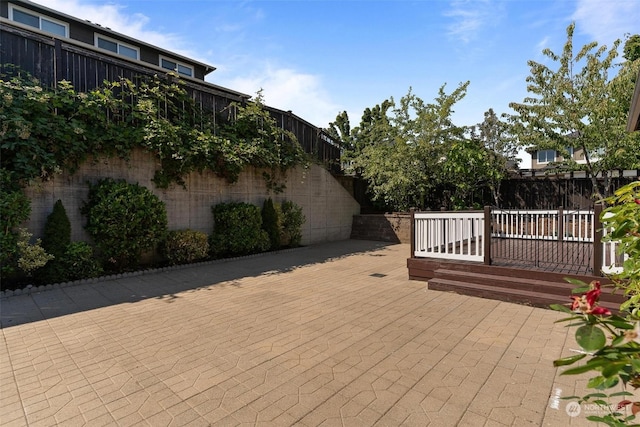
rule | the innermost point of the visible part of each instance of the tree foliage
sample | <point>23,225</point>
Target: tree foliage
<point>409,150</point>
<point>499,150</point>
<point>631,50</point>
<point>578,103</point>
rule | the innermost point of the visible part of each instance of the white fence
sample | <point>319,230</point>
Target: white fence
<point>459,235</point>
<point>449,235</point>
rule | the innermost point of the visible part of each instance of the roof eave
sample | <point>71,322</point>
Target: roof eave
<point>207,67</point>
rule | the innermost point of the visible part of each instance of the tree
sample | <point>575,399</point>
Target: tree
<point>400,148</point>
<point>501,149</point>
<point>578,105</point>
<point>340,129</point>
<point>632,48</point>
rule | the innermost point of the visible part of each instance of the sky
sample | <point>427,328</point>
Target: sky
<point>320,57</point>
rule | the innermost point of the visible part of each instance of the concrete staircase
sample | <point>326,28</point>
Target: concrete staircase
<point>536,288</point>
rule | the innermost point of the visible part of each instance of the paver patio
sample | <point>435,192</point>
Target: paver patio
<point>333,334</point>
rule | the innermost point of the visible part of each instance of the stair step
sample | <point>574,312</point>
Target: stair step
<point>523,273</point>
<point>522,296</point>
<point>561,288</point>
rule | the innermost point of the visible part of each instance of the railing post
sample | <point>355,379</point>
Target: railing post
<point>560,224</point>
<point>412,232</point>
<point>597,240</point>
<point>486,239</point>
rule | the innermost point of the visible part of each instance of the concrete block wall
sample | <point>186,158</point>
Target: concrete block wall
<point>393,228</point>
<point>327,206</point>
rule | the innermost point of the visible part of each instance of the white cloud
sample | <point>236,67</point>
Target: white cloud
<point>283,88</point>
<point>471,16</point>
<point>289,89</point>
<point>607,20</point>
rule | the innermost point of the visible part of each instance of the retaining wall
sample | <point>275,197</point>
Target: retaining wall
<point>393,228</point>
<point>327,206</point>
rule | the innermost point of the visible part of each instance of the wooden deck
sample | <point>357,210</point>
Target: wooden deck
<point>520,285</point>
<point>543,255</point>
<point>516,256</point>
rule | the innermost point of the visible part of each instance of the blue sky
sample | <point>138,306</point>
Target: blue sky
<point>318,58</point>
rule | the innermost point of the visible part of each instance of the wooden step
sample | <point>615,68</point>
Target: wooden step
<point>521,296</point>
<point>561,288</point>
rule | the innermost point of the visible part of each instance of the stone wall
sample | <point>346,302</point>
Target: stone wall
<point>328,207</point>
<point>393,228</point>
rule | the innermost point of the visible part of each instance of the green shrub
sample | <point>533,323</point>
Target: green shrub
<point>31,256</point>
<point>238,230</point>
<point>15,208</point>
<point>124,221</point>
<point>78,262</point>
<point>185,246</point>
<point>292,219</point>
<point>57,231</point>
<point>56,239</point>
<point>271,224</point>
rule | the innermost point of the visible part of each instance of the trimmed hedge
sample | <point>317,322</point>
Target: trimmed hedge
<point>124,221</point>
<point>238,230</point>
<point>185,246</point>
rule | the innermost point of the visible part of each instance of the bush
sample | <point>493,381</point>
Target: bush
<point>271,224</point>
<point>124,220</point>
<point>185,246</point>
<point>292,219</point>
<point>238,230</point>
<point>57,231</point>
<point>15,208</point>
<point>31,256</point>
<point>77,262</point>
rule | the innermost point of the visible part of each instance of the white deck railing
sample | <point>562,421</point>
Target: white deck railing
<point>612,261</point>
<point>576,226</point>
<point>459,235</point>
<point>449,235</point>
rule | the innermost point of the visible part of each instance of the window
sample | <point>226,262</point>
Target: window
<point>43,23</point>
<point>570,150</point>
<point>169,64</point>
<point>116,47</point>
<point>546,156</point>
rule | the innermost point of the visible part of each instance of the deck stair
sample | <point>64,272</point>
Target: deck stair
<point>536,288</point>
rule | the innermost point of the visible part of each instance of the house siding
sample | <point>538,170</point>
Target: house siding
<point>85,32</point>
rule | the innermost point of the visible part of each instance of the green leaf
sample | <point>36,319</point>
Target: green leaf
<point>568,360</point>
<point>621,393</point>
<point>562,308</point>
<point>590,395</point>
<point>595,382</point>
<point>590,337</point>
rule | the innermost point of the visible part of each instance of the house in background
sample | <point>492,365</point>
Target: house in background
<point>34,17</point>
<point>546,159</point>
<point>53,46</point>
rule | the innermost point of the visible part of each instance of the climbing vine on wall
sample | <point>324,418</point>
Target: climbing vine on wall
<point>47,131</point>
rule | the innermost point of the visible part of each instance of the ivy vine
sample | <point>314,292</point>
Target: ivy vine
<point>48,131</point>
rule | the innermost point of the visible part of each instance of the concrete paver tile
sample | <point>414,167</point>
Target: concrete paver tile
<point>303,337</point>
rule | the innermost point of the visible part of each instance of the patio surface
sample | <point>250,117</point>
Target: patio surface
<point>333,334</point>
